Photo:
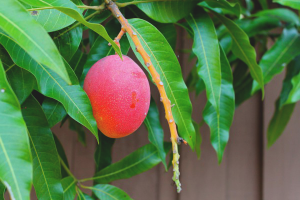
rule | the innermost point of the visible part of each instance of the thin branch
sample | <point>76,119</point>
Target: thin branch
<point>100,7</point>
<point>175,139</point>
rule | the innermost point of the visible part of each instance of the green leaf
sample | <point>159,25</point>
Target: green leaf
<point>100,48</point>
<point>135,163</point>
<point>283,112</point>
<point>54,111</point>
<point>206,48</point>
<point>291,3</point>
<point>166,64</point>
<point>77,63</point>
<point>242,49</point>
<point>2,191</point>
<point>103,152</point>
<point>155,131</point>
<point>109,192</point>
<point>68,42</point>
<point>220,121</point>
<point>46,165</point>
<point>31,36</point>
<point>69,185</point>
<point>72,11</point>
<point>198,140</point>
<point>233,8</point>
<point>294,90</point>
<point>73,98</point>
<point>264,4</point>
<point>15,159</point>
<point>282,52</point>
<point>165,11</point>
<point>282,14</point>
<point>62,156</point>
<point>75,126</point>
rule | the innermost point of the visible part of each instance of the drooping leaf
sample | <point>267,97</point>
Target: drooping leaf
<point>71,10</point>
<point>31,36</point>
<point>233,8</point>
<point>294,94</point>
<point>62,156</point>
<point>15,159</point>
<point>166,64</point>
<point>103,152</point>
<point>282,14</point>
<point>291,3</point>
<point>242,49</point>
<point>109,192</point>
<point>282,52</point>
<point>283,112</point>
<point>68,42</point>
<point>135,163</point>
<point>77,63</point>
<point>73,98</point>
<point>220,121</point>
<point>46,165</point>
<point>206,48</point>
<point>78,128</point>
<point>165,11</point>
<point>54,111</point>
<point>155,131</point>
<point>101,49</point>
<point>198,140</point>
<point>69,185</point>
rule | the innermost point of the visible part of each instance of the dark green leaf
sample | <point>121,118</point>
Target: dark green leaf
<point>109,192</point>
<point>220,121</point>
<point>233,8</point>
<point>77,63</point>
<point>264,4</point>
<point>72,11</point>
<point>69,185</point>
<point>31,36</point>
<point>165,11</point>
<point>206,48</point>
<point>62,156</point>
<point>166,64</point>
<point>135,163</point>
<point>46,165</point>
<point>155,131</point>
<point>100,48</point>
<point>292,3</point>
<point>242,49</point>
<point>15,159</point>
<point>2,191</point>
<point>103,152</point>
<point>282,14</point>
<point>198,139</point>
<point>78,128</point>
<point>54,111</point>
<point>294,94</point>
<point>282,52</point>
<point>73,97</point>
<point>68,42</point>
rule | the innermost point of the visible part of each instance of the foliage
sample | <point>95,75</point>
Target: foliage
<point>44,59</point>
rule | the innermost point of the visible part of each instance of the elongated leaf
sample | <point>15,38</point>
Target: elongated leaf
<point>220,122</point>
<point>54,111</point>
<point>71,10</point>
<point>2,191</point>
<point>155,131</point>
<point>69,185</point>
<point>103,152</point>
<point>283,14</point>
<point>100,48</point>
<point>283,112</point>
<point>282,52</point>
<point>233,8</point>
<point>68,42</point>
<point>77,63</point>
<point>264,4</point>
<point>73,97</point>
<point>292,3</point>
<point>31,36</point>
<point>135,163</point>
<point>206,48</point>
<point>109,192</point>
<point>75,126</point>
<point>15,159</point>
<point>198,140</point>
<point>166,64</point>
<point>62,156</point>
<point>165,11</point>
<point>294,90</point>
<point>242,49</point>
<point>46,165</point>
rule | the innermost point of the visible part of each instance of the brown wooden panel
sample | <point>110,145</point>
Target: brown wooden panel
<point>282,160</point>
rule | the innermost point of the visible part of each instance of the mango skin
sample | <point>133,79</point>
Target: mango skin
<point>119,92</point>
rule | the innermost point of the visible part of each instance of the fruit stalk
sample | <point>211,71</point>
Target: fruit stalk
<point>175,139</point>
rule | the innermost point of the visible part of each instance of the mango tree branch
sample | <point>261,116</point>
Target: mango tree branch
<point>156,78</point>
